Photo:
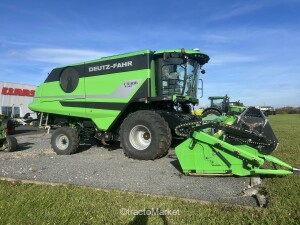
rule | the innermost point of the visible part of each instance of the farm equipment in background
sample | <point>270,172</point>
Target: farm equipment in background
<point>27,119</point>
<point>145,98</point>
<point>237,104</point>
<point>7,143</point>
<point>221,105</point>
<point>267,110</point>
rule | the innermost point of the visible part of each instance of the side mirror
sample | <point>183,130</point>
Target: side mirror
<point>201,88</point>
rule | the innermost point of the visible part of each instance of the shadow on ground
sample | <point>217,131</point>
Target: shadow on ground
<point>27,130</point>
<point>24,146</point>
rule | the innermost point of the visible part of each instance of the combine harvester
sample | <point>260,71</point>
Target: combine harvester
<point>145,98</point>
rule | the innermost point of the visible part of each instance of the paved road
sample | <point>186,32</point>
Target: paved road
<point>109,168</point>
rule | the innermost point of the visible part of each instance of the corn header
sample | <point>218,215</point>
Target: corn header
<point>230,145</point>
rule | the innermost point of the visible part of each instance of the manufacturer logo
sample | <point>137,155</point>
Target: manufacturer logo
<point>110,66</point>
<point>129,84</point>
<point>17,91</point>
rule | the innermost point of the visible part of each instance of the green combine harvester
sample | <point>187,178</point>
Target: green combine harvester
<point>144,99</point>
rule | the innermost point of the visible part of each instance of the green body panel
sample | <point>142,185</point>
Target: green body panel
<point>47,100</point>
<point>152,78</point>
<point>90,89</point>
<point>222,119</point>
<point>104,118</point>
<point>105,88</point>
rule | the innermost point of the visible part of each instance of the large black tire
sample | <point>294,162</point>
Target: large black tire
<point>210,112</point>
<point>11,144</point>
<point>9,126</point>
<point>145,135</point>
<point>65,141</point>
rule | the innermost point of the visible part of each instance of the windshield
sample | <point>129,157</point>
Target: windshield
<point>217,103</point>
<point>180,78</point>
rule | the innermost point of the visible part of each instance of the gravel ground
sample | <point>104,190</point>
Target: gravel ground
<point>108,168</point>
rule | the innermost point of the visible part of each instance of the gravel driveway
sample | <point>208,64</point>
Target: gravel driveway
<point>108,168</point>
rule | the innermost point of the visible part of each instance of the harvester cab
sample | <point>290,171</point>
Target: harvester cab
<point>178,73</point>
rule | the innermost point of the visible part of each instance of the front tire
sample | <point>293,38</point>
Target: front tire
<point>145,135</point>
<point>65,141</point>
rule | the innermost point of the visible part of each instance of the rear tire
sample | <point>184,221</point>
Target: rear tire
<point>65,141</point>
<point>9,125</point>
<point>10,144</point>
<point>211,112</point>
<point>145,135</point>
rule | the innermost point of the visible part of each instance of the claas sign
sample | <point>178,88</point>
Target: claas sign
<point>18,92</point>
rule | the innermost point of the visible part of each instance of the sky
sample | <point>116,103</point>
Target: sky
<point>253,45</point>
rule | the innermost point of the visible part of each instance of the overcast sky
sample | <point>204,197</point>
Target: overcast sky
<point>254,45</point>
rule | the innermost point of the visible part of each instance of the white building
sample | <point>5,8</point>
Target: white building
<point>15,98</point>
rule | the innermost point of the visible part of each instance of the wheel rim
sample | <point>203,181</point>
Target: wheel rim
<point>62,142</point>
<point>5,145</point>
<point>140,137</point>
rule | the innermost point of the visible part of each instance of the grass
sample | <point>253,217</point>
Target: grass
<point>38,204</point>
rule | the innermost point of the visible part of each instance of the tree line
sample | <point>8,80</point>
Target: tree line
<point>288,110</point>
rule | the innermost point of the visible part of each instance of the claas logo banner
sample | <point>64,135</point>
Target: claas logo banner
<point>18,92</point>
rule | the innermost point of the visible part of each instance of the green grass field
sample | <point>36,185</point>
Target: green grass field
<point>37,204</point>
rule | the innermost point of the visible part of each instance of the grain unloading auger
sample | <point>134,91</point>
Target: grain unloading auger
<point>228,145</point>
